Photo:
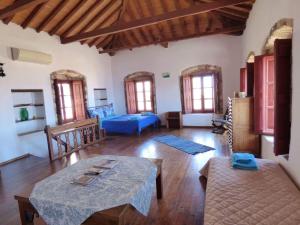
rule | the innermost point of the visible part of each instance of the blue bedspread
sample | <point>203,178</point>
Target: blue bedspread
<point>129,124</point>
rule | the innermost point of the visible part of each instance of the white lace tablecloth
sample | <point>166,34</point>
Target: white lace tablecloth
<point>59,202</point>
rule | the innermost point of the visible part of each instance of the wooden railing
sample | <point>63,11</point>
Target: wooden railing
<point>72,137</point>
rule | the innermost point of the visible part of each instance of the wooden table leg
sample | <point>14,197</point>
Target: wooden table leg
<point>159,186</point>
<point>25,216</point>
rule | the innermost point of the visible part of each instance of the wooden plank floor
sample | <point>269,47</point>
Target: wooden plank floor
<point>183,201</point>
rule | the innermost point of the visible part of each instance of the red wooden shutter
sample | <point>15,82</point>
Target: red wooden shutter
<point>187,94</point>
<point>78,99</point>
<point>258,94</point>
<point>130,97</point>
<point>283,76</point>
<point>269,94</point>
<point>243,79</point>
<point>250,79</point>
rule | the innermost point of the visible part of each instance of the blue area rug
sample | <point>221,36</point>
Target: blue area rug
<point>183,144</point>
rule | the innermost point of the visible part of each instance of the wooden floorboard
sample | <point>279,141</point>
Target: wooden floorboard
<point>184,194</point>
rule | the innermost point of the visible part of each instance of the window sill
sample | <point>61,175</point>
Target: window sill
<point>268,138</point>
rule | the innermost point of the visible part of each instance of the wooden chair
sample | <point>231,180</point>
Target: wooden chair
<point>73,137</point>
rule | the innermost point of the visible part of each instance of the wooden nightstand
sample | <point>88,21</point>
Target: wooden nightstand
<point>174,120</point>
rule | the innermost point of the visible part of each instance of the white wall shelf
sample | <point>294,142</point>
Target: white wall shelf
<point>100,95</point>
<point>33,101</point>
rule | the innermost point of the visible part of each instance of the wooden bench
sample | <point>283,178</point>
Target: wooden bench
<point>121,215</point>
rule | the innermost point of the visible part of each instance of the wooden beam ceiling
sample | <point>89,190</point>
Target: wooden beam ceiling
<point>219,31</point>
<point>18,6</point>
<point>52,14</point>
<point>197,9</point>
<point>67,17</point>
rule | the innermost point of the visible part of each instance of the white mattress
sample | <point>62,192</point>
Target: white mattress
<point>237,197</point>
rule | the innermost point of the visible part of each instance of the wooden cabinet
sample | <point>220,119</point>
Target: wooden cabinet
<point>174,120</point>
<point>241,136</point>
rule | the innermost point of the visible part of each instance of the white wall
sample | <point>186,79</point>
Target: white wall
<point>96,68</point>
<point>264,15</point>
<point>220,50</point>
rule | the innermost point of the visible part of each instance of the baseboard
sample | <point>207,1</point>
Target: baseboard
<point>14,159</point>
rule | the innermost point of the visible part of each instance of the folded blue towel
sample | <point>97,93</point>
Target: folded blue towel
<point>243,157</point>
<point>244,162</point>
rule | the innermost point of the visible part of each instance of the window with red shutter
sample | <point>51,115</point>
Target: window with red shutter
<point>140,92</point>
<point>264,94</point>
<point>69,97</point>
<point>268,90</point>
<point>283,95</point>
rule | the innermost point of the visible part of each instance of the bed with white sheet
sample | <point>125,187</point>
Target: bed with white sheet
<point>238,197</point>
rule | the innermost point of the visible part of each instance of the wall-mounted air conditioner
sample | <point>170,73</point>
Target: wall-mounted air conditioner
<point>24,55</point>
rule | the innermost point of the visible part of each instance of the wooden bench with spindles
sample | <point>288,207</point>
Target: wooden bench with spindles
<point>73,137</point>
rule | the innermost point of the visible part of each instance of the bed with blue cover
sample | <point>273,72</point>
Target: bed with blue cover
<point>123,124</point>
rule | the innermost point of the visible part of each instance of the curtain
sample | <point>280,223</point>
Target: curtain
<point>283,95</point>
<point>186,85</point>
<point>130,97</point>
<point>218,89</point>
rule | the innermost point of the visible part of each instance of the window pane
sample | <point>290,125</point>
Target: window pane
<point>148,106</point>
<point>207,81</point>
<point>66,89</point>
<point>208,104</point>
<point>196,82</point>
<point>68,101</point>
<point>141,106</point>
<point>69,113</point>
<point>140,96</point>
<point>208,93</point>
<point>197,105</point>
<point>139,86</point>
<point>147,85</point>
<point>148,96</point>
<point>197,94</point>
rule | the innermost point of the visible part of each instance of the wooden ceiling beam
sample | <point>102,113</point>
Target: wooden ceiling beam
<point>197,9</point>
<point>52,14</point>
<point>234,13</point>
<point>230,16</point>
<point>132,17</point>
<point>18,6</point>
<point>7,20</point>
<point>66,18</point>
<point>214,32</point>
<point>181,20</point>
<point>83,17</point>
<point>32,15</point>
<point>96,18</point>
<point>150,32</point>
<point>170,24</point>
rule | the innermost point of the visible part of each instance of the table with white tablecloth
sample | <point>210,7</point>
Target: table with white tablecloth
<point>59,202</point>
